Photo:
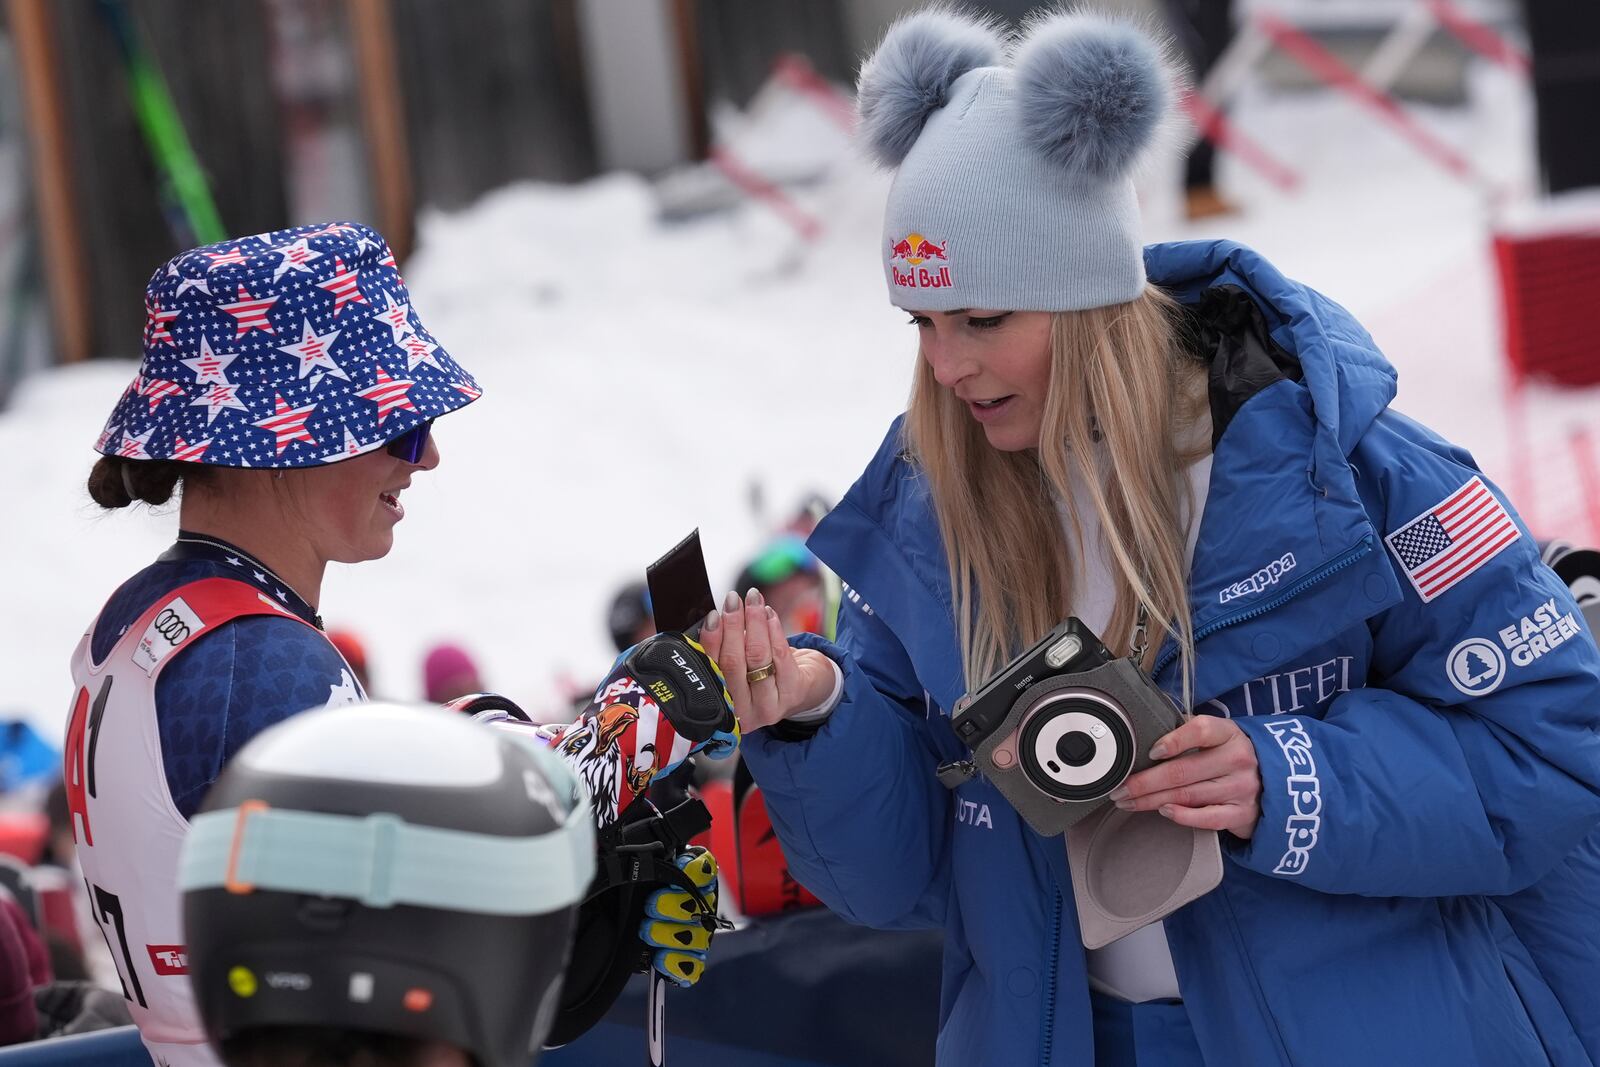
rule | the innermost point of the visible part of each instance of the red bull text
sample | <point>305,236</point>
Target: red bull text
<point>913,251</point>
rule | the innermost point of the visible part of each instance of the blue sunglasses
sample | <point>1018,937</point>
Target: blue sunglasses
<point>410,445</point>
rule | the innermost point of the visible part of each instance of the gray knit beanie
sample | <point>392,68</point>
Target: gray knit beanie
<point>1014,190</point>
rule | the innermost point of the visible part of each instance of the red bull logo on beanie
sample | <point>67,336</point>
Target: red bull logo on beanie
<point>918,262</point>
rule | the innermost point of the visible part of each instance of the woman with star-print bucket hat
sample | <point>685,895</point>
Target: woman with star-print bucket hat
<point>289,388</point>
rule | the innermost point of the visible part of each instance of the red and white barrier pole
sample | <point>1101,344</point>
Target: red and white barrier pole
<point>1519,480</point>
<point>1322,63</point>
<point>1583,458</point>
<point>753,184</point>
<point>796,71</point>
<point>1478,36</point>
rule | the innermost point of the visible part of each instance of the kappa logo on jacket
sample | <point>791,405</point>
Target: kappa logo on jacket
<point>1262,579</point>
<point>1305,793</point>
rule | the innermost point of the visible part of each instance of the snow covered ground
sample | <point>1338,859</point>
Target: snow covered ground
<point>641,376</point>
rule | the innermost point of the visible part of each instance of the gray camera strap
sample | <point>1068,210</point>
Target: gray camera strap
<point>1141,633</point>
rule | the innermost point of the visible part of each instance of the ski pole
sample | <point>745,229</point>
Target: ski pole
<point>655,1027</point>
<point>163,131</point>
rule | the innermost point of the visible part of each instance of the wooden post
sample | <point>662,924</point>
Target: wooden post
<point>686,28</point>
<point>384,117</point>
<point>60,237</point>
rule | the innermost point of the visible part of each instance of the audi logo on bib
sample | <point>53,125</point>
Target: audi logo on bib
<point>170,624</point>
<point>174,624</point>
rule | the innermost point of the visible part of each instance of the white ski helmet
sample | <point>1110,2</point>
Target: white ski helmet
<point>387,869</point>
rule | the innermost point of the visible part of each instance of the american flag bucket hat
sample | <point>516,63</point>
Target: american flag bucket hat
<point>287,349</point>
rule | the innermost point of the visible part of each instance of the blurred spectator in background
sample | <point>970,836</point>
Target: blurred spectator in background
<point>28,764</point>
<point>790,581</point>
<point>1203,30</point>
<point>64,913</point>
<point>58,849</point>
<point>355,654</point>
<point>449,672</point>
<point>630,619</point>
<point>1564,38</point>
<point>22,966</point>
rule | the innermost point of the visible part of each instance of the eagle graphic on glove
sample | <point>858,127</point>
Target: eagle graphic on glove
<point>663,701</point>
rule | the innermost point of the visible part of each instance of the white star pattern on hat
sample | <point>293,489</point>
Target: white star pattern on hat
<point>315,350</point>
<point>217,399</point>
<point>210,366</point>
<point>344,285</point>
<point>296,256</point>
<point>183,452</point>
<point>158,389</point>
<point>418,352</point>
<point>396,316</point>
<point>185,284</point>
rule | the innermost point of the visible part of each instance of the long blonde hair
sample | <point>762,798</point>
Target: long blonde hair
<point>1126,413</point>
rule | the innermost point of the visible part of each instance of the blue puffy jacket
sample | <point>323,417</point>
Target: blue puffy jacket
<point>1430,769</point>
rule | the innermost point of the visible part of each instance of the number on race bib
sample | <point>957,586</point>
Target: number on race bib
<point>107,907</point>
<point>78,772</point>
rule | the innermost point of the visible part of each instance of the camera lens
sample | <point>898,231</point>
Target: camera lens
<point>1075,745</point>
<point>1075,749</point>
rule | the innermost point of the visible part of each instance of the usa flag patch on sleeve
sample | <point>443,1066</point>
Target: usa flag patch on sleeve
<point>1452,539</point>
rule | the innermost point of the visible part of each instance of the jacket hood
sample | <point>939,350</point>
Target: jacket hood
<point>1349,380</point>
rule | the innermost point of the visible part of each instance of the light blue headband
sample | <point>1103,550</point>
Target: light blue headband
<point>381,860</point>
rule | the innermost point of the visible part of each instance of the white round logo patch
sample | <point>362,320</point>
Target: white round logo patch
<point>1476,667</point>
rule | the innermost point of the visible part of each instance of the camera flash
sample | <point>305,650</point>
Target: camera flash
<point>1063,651</point>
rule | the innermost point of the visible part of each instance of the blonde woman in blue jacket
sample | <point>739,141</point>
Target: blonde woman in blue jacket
<point>1397,699</point>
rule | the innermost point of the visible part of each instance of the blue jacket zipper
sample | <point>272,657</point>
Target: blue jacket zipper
<point>1050,985</point>
<point>1344,559</point>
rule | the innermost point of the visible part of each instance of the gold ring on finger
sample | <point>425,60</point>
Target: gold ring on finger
<point>760,674</point>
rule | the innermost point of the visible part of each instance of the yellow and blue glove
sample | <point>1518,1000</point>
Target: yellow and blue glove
<point>677,925</point>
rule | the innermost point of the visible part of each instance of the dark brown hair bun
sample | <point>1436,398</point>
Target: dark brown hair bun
<point>115,482</point>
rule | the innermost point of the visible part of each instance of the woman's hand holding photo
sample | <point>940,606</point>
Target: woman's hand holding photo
<point>768,679</point>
